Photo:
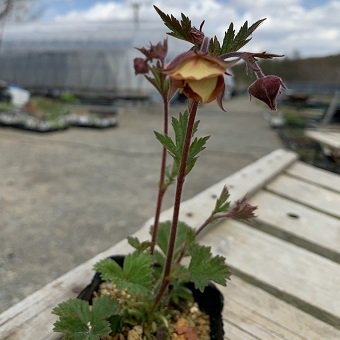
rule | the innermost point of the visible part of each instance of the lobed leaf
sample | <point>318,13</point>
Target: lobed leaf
<point>135,276</point>
<point>205,267</point>
<point>78,321</point>
<point>135,243</point>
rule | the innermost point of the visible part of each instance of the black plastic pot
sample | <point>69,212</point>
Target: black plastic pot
<point>210,301</point>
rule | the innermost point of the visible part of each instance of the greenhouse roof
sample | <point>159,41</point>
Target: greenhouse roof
<point>87,35</point>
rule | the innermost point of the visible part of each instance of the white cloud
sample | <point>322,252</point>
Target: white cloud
<point>289,26</point>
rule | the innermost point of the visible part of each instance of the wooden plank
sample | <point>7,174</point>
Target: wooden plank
<point>304,279</point>
<point>250,312</point>
<point>299,224</point>
<point>315,175</point>
<point>306,193</point>
<point>32,318</point>
<point>330,139</point>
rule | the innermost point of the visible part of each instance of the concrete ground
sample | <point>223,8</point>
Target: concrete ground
<point>67,196</point>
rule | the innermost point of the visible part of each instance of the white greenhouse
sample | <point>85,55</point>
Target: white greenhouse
<point>85,58</point>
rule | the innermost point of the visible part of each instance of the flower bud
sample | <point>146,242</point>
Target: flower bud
<point>197,36</point>
<point>267,89</point>
<point>140,65</point>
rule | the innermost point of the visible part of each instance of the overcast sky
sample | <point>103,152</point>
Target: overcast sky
<point>309,27</point>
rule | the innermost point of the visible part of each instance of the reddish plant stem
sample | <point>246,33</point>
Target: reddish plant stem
<point>162,186</point>
<point>178,196</point>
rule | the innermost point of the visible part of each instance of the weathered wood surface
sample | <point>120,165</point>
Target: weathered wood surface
<point>308,194</point>
<point>302,278</point>
<point>252,313</point>
<point>315,175</point>
<point>328,138</point>
<point>298,224</point>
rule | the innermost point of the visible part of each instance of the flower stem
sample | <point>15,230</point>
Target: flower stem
<point>162,186</point>
<point>178,196</point>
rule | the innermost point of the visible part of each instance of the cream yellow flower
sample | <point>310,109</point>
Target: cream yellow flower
<point>199,76</point>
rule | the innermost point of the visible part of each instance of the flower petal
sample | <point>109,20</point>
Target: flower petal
<point>204,88</point>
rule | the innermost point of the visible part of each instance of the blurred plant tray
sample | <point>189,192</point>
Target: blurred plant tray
<point>91,121</point>
<point>28,122</point>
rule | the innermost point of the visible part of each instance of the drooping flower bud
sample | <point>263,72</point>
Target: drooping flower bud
<point>140,65</point>
<point>267,89</point>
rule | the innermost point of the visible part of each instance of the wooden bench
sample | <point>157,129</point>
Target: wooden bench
<point>286,264</point>
<point>329,138</point>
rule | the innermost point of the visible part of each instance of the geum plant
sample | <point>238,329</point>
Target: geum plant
<point>139,299</point>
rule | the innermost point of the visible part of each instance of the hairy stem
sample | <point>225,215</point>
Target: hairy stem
<point>162,186</point>
<point>178,196</point>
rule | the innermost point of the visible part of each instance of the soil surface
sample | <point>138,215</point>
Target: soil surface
<point>67,196</point>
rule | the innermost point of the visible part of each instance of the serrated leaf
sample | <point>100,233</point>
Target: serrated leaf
<point>228,38</point>
<point>78,321</point>
<point>222,203</point>
<point>214,47</point>
<point>135,243</point>
<point>74,308</point>
<point>108,269</point>
<point>168,143</point>
<point>197,146</point>
<point>232,43</point>
<point>179,29</point>
<point>180,127</point>
<point>138,269</point>
<point>185,234</point>
<point>103,308</point>
<point>135,276</point>
<point>205,267</point>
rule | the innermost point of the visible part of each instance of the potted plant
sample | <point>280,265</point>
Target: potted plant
<point>163,289</point>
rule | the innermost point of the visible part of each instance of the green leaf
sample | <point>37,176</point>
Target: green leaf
<point>171,172</point>
<point>109,269</point>
<point>214,47</point>
<point>232,43</point>
<point>222,203</point>
<point>185,234</point>
<point>179,29</point>
<point>135,276</point>
<point>180,292</point>
<point>103,308</point>
<point>138,269</point>
<point>205,267</point>
<point>78,321</point>
<point>197,146</point>
<point>135,243</point>
<point>167,142</point>
<point>180,126</point>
